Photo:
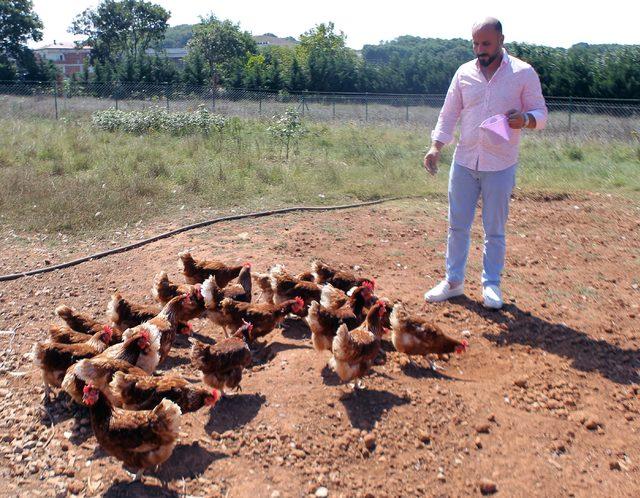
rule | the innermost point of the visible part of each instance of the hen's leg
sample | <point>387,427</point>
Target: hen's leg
<point>434,366</point>
<point>46,396</point>
<point>135,477</point>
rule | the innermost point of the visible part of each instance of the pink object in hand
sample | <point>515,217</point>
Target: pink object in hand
<point>498,128</point>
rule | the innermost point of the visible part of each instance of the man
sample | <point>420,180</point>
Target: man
<point>494,83</point>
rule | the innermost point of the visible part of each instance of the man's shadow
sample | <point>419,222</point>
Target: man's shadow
<point>587,354</point>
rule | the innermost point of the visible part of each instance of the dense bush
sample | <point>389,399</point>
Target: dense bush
<point>159,120</point>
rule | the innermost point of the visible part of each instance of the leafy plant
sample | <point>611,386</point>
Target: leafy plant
<point>159,120</point>
<point>287,129</point>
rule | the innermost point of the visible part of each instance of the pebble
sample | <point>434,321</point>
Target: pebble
<point>488,487</point>
<point>322,492</point>
<point>521,383</point>
<point>592,424</point>
<point>424,436</point>
<point>483,428</point>
<point>615,465</point>
<point>370,442</point>
<point>76,486</point>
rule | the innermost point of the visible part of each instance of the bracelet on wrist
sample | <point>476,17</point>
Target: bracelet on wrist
<point>526,120</point>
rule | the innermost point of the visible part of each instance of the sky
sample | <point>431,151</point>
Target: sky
<point>552,23</point>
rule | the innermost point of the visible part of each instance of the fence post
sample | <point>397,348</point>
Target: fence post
<point>213,97</point>
<point>115,93</point>
<point>302,102</point>
<point>406,116</point>
<point>260,104</point>
<point>570,111</point>
<point>55,97</point>
<point>334,107</point>
<point>166,93</point>
<point>366,106</point>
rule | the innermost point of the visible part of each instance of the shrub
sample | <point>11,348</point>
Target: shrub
<point>287,128</point>
<point>159,120</point>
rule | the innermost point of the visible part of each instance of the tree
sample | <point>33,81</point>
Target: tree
<point>618,73</point>
<point>177,36</point>
<point>194,72</point>
<point>163,70</point>
<point>222,45</point>
<point>297,80</point>
<point>32,68</point>
<point>7,69</point>
<point>255,72</point>
<point>119,29</point>
<point>274,80</point>
<point>331,65</point>
<point>18,24</point>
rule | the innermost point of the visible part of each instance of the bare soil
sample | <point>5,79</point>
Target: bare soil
<point>545,402</point>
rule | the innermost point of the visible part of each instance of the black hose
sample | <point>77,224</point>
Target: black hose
<point>259,214</point>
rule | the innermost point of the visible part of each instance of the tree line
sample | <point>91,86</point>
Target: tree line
<point>119,33</point>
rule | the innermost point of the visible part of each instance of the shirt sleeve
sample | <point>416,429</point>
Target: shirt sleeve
<point>532,100</point>
<point>449,113</point>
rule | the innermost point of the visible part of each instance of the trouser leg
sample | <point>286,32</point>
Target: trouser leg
<point>496,188</point>
<point>464,190</point>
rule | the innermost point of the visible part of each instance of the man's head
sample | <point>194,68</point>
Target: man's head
<point>487,40</point>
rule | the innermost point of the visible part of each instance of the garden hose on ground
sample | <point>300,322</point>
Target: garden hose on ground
<point>259,214</point>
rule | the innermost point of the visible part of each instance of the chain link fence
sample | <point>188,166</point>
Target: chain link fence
<point>581,117</point>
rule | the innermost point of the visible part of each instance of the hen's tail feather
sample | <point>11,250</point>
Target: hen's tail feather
<point>168,414</point>
<point>159,281</point>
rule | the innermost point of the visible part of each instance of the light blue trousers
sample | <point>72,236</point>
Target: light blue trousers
<point>465,188</point>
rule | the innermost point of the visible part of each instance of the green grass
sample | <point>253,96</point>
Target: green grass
<point>56,177</point>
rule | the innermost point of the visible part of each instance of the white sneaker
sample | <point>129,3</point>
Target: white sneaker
<point>443,291</point>
<point>492,296</point>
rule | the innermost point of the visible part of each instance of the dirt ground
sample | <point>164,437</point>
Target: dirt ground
<point>546,401</point>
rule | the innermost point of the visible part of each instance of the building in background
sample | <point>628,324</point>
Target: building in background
<point>270,39</point>
<point>67,56</point>
<point>175,55</point>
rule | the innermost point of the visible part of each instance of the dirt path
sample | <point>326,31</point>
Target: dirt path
<point>546,402</point>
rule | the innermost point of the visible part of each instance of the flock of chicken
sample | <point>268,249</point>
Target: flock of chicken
<point>135,414</point>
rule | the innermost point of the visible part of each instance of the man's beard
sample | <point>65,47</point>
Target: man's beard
<point>486,63</point>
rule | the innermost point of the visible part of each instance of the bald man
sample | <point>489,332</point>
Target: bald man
<point>484,165</point>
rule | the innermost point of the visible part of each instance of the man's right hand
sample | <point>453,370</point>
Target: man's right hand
<point>431,160</point>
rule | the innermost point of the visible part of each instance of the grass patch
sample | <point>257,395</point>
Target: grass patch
<point>55,176</point>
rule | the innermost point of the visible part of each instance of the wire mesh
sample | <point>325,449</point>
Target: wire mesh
<point>570,116</point>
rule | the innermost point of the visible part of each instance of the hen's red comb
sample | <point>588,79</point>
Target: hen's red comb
<point>144,334</point>
<point>464,344</point>
<point>368,285</point>
<point>108,329</point>
<point>87,389</point>
<point>246,264</point>
<point>299,300</point>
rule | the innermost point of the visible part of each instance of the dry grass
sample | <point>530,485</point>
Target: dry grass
<point>65,176</point>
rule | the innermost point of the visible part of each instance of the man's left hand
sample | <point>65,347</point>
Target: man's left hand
<point>516,119</point>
